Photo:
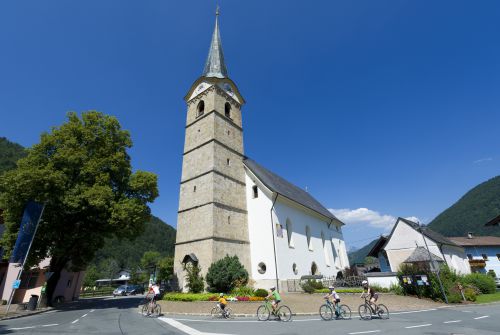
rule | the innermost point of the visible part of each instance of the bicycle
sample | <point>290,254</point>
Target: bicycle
<point>283,313</point>
<point>366,310</point>
<point>217,312</point>
<point>341,311</point>
<point>151,308</point>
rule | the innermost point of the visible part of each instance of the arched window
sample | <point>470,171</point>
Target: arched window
<point>201,108</point>
<point>325,249</point>
<point>295,269</point>
<point>227,110</point>
<point>289,232</point>
<point>308,235</point>
<point>314,269</point>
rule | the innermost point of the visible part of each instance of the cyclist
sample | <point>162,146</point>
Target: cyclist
<point>155,292</point>
<point>334,297</point>
<point>223,304</point>
<point>370,291</point>
<point>275,298</point>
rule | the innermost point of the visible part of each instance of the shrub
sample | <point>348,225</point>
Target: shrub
<point>454,298</point>
<point>308,286</point>
<point>190,297</point>
<point>243,291</point>
<point>225,274</point>
<point>485,283</point>
<point>397,289</point>
<point>492,273</point>
<point>470,294</point>
<point>3,302</point>
<point>261,293</point>
<point>193,278</point>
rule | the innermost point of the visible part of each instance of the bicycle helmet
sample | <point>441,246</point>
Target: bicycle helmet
<point>221,295</point>
<point>365,282</point>
<point>331,288</point>
<point>273,288</point>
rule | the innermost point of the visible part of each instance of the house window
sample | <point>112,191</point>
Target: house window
<point>308,235</point>
<point>261,268</point>
<point>469,256</point>
<point>255,190</point>
<point>485,257</point>
<point>70,281</point>
<point>289,233</point>
<point>200,108</point>
<point>227,110</point>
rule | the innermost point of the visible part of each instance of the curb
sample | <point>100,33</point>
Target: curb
<point>24,315</point>
<point>234,314</point>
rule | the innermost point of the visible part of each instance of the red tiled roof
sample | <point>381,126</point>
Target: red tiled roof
<point>476,241</point>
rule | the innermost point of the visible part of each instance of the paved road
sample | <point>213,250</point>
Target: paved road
<point>120,316</point>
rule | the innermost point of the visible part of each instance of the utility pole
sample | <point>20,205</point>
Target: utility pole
<point>420,228</point>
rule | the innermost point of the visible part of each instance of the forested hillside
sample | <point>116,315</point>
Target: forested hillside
<point>10,152</point>
<point>471,212</point>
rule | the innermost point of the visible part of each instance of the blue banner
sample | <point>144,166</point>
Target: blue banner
<point>31,216</point>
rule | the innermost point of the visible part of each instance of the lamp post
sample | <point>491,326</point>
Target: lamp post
<point>433,264</point>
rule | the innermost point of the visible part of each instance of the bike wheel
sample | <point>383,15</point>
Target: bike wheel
<point>284,313</point>
<point>215,312</point>
<point>157,310</point>
<point>326,312</point>
<point>365,312</point>
<point>229,313</point>
<point>145,310</point>
<point>344,312</point>
<point>383,312</point>
<point>263,313</point>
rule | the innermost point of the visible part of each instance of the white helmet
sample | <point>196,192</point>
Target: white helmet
<point>364,282</point>
<point>331,288</point>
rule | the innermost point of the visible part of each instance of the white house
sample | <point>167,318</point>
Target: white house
<point>483,252</point>
<point>408,243</point>
<point>291,233</point>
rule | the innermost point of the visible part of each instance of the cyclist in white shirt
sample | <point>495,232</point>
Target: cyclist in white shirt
<point>334,298</point>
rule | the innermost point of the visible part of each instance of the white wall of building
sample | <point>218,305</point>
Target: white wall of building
<point>329,256</point>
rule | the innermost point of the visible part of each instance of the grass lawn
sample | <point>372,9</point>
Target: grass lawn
<point>483,298</point>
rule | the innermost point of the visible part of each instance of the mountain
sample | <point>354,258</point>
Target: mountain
<point>359,255</point>
<point>471,212</point>
<point>157,236</point>
<point>10,152</point>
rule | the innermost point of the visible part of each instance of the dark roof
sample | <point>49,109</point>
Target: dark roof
<point>279,185</point>
<point>378,246</point>
<point>436,237</point>
<point>421,254</point>
<point>494,221</point>
<point>476,241</point>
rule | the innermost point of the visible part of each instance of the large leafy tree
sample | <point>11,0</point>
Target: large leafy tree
<point>82,172</point>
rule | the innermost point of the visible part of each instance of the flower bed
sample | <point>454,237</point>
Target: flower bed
<point>206,297</point>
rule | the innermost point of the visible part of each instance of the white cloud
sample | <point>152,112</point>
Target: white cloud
<point>367,216</point>
<point>482,160</point>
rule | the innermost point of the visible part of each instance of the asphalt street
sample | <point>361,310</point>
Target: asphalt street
<point>121,316</point>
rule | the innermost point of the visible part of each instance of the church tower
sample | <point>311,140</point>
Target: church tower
<point>212,216</point>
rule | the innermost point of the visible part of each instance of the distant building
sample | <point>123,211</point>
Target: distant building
<point>493,222</point>
<point>483,252</point>
<point>231,205</point>
<point>408,244</point>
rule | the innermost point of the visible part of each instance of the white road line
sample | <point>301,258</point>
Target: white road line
<point>453,321</point>
<point>84,315</point>
<point>21,328</point>
<point>51,325</point>
<point>418,311</point>
<point>418,326</point>
<point>184,328</point>
<point>75,321</point>
<point>92,310</point>
<point>366,332</point>
<point>482,317</point>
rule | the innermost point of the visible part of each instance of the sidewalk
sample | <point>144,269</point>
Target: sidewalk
<point>300,304</point>
<point>16,312</point>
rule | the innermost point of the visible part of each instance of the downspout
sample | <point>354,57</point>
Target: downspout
<point>274,243</point>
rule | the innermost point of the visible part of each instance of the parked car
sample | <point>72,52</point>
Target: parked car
<point>120,290</point>
<point>497,281</point>
<point>135,289</point>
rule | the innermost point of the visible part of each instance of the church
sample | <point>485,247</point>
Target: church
<point>231,205</point>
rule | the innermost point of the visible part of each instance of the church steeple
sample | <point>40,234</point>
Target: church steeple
<point>215,66</point>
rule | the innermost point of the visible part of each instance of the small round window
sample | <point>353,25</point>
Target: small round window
<point>294,268</point>
<point>262,268</point>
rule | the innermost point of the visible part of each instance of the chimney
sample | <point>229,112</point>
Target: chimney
<point>469,235</point>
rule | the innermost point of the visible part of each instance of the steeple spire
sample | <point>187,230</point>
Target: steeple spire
<point>215,66</point>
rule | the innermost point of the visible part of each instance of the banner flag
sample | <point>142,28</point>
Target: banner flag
<point>29,222</point>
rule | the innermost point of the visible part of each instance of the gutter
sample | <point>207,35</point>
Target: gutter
<point>274,243</point>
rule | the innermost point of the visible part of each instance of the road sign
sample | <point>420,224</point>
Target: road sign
<point>16,284</point>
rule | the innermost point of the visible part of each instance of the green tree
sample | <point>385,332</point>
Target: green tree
<point>150,260</point>
<point>82,172</point>
<point>165,268</point>
<point>226,274</point>
<point>91,275</point>
<point>194,279</point>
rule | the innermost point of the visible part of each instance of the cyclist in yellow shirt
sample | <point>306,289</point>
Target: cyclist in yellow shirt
<point>223,304</point>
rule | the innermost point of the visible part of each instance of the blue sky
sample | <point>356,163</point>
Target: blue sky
<point>380,108</point>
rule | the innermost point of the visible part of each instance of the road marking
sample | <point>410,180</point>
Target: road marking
<point>453,321</point>
<point>418,311</point>
<point>482,317</point>
<point>75,321</point>
<point>418,326</point>
<point>31,327</point>
<point>366,332</point>
<point>92,310</point>
<point>184,328</point>
<point>51,325</point>
<point>84,315</point>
